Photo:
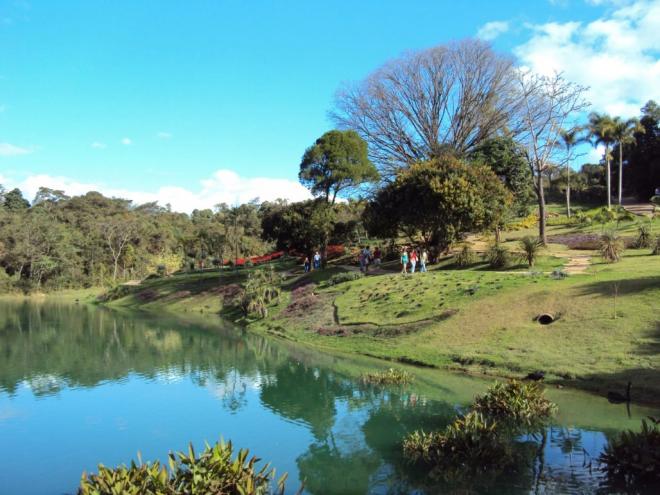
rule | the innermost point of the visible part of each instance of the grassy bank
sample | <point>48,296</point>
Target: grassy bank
<point>606,332</point>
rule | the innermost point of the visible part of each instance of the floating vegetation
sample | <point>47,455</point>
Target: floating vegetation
<point>391,376</point>
<point>473,441</point>
<point>516,403</point>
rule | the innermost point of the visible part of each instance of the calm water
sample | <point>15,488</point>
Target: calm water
<point>81,386</point>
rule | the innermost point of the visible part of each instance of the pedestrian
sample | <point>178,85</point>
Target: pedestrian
<point>377,256</point>
<point>423,259</point>
<point>361,258</point>
<point>317,261</point>
<point>306,264</point>
<point>404,261</point>
<point>367,258</point>
<point>413,260</point>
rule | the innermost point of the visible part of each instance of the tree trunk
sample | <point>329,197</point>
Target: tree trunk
<point>620,173</point>
<point>568,189</point>
<point>114,272</point>
<point>541,197</point>
<point>609,178</point>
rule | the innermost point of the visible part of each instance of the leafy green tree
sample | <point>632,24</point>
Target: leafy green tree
<point>336,164</point>
<point>643,157</point>
<point>507,160</point>
<point>601,128</point>
<point>303,226</point>
<point>14,200</point>
<point>436,201</point>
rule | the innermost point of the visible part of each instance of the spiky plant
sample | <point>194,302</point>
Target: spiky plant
<point>632,460</point>
<point>498,256</point>
<point>611,247</point>
<point>644,237</point>
<point>465,257</point>
<point>531,247</point>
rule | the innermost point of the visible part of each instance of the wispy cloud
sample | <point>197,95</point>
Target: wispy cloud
<point>224,186</point>
<point>164,135</point>
<point>492,30</point>
<point>126,141</point>
<point>97,145</point>
<point>7,149</point>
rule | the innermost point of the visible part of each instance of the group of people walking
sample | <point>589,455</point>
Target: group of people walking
<point>366,257</point>
<point>412,257</point>
<point>316,260</point>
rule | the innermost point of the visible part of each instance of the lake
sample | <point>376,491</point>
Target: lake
<point>82,385</point>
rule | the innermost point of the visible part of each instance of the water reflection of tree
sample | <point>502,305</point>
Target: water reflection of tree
<point>52,346</point>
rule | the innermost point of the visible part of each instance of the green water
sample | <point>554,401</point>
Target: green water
<point>81,386</point>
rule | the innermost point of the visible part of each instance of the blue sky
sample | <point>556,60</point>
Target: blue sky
<point>151,99</point>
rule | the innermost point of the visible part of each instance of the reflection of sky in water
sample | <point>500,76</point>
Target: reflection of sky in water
<point>146,390</point>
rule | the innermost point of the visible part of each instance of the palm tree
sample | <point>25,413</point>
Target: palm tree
<point>570,138</point>
<point>601,128</point>
<point>623,132</point>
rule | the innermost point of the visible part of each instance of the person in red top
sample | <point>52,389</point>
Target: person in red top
<point>413,260</point>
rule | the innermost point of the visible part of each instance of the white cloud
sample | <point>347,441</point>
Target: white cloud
<point>164,135</point>
<point>126,141</point>
<point>615,55</point>
<point>7,149</point>
<point>98,146</point>
<point>224,186</point>
<point>492,30</point>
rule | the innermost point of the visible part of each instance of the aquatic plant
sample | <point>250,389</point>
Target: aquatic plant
<point>465,257</point>
<point>632,460</point>
<point>391,376</point>
<point>215,470</point>
<point>473,441</point>
<point>611,247</point>
<point>516,403</point>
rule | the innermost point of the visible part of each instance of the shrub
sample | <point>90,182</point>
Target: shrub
<point>632,460</point>
<point>389,377</point>
<point>342,277</point>
<point>525,223</point>
<point>215,470</point>
<point>465,257</point>
<point>558,274</point>
<point>530,246</point>
<point>516,403</point>
<point>498,256</point>
<point>656,249</point>
<point>644,237</point>
<point>605,215</point>
<point>472,441</point>
<point>261,289</point>
<point>611,247</point>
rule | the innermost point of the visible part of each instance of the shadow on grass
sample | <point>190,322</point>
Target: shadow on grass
<point>623,287</point>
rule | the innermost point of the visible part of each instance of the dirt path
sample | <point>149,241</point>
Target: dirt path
<point>642,209</point>
<point>577,264</point>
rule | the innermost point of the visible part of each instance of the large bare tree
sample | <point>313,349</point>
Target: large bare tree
<point>550,104</point>
<point>411,109</point>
